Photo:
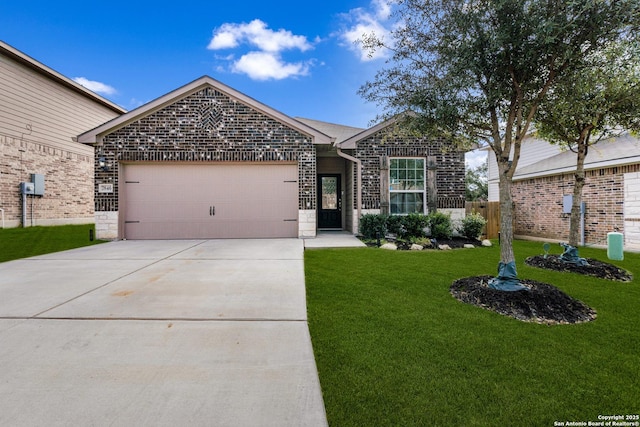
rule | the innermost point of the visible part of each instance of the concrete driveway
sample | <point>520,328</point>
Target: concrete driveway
<point>134,333</point>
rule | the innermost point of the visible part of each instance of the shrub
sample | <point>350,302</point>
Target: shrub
<point>471,226</point>
<point>395,225</point>
<point>373,225</point>
<point>440,224</point>
<point>414,224</point>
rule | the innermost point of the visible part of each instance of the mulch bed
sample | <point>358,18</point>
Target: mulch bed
<point>595,268</point>
<point>541,303</point>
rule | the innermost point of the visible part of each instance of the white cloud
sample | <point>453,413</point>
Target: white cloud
<point>475,158</point>
<point>268,65</point>
<point>95,86</point>
<point>365,22</point>
<point>256,34</point>
<point>382,9</point>
<point>266,62</point>
<point>225,37</point>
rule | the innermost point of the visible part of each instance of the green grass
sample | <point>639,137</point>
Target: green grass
<point>16,243</point>
<point>394,348</point>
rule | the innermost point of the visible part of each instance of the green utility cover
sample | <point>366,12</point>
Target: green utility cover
<point>615,246</point>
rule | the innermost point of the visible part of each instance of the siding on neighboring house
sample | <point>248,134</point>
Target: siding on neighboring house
<point>632,209</point>
<point>40,112</point>
<point>531,152</point>
<point>539,187</point>
<point>538,204</point>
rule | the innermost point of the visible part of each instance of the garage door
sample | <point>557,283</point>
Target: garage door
<point>209,201</point>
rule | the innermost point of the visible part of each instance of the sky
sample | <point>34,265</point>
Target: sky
<point>300,58</point>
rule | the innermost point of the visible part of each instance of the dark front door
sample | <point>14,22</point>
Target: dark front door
<point>329,201</point>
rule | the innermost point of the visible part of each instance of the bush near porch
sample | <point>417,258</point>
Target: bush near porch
<point>439,224</point>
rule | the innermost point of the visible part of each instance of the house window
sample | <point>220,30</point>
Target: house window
<point>406,186</point>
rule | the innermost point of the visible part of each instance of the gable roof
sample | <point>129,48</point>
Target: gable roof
<point>350,143</point>
<point>339,132</point>
<point>27,61</point>
<point>96,135</point>
<point>622,150</point>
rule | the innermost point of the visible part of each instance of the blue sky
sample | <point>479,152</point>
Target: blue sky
<point>299,58</point>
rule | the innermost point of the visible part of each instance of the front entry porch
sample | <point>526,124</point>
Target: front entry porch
<point>335,193</point>
<point>329,202</point>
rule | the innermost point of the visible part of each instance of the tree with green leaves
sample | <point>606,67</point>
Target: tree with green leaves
<point>476,71</point>
<point>596,101</point>
<point>476,183</point>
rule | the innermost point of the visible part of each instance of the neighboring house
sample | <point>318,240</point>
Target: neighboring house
<point>41,113</point>
<point>206,161</point>
<point>545,175</point>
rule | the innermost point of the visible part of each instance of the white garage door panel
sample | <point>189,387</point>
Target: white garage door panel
<point>210,201</point>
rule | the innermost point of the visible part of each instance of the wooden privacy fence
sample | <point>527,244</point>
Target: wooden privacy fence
<point>491,212</point>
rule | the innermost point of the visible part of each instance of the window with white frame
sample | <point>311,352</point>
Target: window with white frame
<point>406,185</point>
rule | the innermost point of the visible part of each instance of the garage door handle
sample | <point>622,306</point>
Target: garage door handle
<point>212,210</point>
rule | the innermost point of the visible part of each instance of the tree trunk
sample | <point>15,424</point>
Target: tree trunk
<point>574,224</point>
<point>506,213</point>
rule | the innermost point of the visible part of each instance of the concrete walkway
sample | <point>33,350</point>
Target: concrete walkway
<point>159,333</point>
<point>333,239</point>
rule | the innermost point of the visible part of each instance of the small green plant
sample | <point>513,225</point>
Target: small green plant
<point>440,224</point>
<point>422,241</point>
<point>373,226</point>
<point>471,226</point>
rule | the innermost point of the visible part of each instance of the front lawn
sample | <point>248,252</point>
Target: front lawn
<point>18,243</point>
<point>394,348</point>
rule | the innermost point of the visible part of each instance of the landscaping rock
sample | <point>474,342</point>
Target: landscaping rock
<point>389,246</point>
<point>487,243</point>
<point>469,246</point>
<point>444,247</point>
<point>416,247</point>
<point>453,243</point>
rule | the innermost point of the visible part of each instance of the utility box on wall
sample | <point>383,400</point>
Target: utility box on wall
<point>38,184</point>
<point>26,188</point>
<point>567,203</point>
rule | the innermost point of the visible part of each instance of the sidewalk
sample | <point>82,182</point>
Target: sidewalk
<point>333,239</point>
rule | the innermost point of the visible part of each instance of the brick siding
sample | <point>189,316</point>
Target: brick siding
<point>450,165</point>
<point>68,194</point>
<point>538,204</point>
<point>206,127</point>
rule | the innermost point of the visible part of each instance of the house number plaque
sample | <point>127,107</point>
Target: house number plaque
<point>105,188</point>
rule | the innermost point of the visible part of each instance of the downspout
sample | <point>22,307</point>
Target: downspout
<point>24,210</point>
<point>358,180</point>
